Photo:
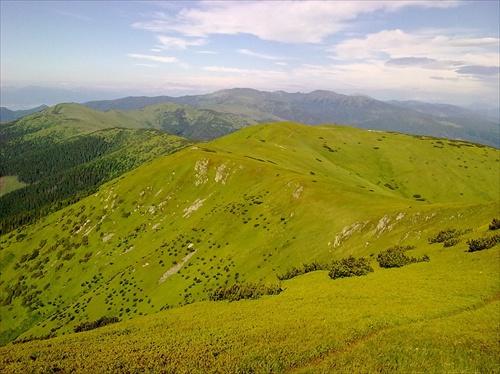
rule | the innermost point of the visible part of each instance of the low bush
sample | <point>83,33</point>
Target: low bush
<point>451,242</point>
<point>395,257</point>
<point>103,321</point>
<point>306,268</point>
<point>483,243</point>
<point>350,267</point>
<point>239,291</point>
<point>32,338</point>
<point>495,224</point>
<point>447,235</point>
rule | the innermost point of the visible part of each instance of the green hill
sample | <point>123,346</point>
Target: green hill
<point>249,207</point>
<point>54,158</point>
<point>200,124</point>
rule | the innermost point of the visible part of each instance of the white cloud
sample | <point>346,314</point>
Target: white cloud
<point>375,78</point>
<point>256,73</point>
<point>475,42</point>
<point>153,58</point>
<point>260,55</point>
<point>396,44</point>
<point>283,21</point>
<point>168,42</point>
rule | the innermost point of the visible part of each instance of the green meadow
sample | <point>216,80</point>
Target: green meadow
<point>150,246</point>
<point>421,318</point>
<point>9,184</point>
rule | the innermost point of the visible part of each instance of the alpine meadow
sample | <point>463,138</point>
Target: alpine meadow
<point>250,187</point>
<point>271,247</point>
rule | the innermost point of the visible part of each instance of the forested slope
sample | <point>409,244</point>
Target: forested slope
<point>64,154</point>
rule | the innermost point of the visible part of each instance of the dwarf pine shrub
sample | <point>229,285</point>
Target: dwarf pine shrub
<point>483,243</point>
<point>395,257</point>
<point>350,267</point>
<point>103,321</point>
<point>495,224</point>
<point>306,268</point>
<point>239,291</point>
<point>448,237</point>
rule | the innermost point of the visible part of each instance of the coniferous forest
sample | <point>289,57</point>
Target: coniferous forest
<point>60,173</point>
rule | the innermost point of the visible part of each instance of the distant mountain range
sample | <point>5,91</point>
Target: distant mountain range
<point>249,106</point>
<point>10,115</point>
<point>320,107</point>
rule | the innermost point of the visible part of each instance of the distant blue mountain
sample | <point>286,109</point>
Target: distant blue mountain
<point>320,107</point>
<point>10,115</point>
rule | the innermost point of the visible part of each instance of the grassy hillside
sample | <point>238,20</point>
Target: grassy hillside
<point>245,208</point>
<point>55,158</point>
<point>200,124</point>
<point>421,318</point>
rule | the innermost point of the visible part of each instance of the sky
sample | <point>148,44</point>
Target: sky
<point>435,51</point>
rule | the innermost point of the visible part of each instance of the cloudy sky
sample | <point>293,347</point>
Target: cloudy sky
<point>437,51</point>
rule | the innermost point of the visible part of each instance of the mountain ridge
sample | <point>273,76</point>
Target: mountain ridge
<point>7,115</point>
<point>321,106</point>
<point>251,202</point>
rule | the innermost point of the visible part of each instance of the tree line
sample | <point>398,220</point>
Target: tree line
<point>60,175</point>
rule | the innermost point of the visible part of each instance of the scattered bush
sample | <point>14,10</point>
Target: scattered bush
<point>103,321</point>
<point>447,237</point>
<point>31,338</point>
<point>238,291</point>
<point>451,242</point>
<point>306,268</point>
<point>395,257</point>
<point>483,243</point>
<point>349,267</point>
<point>495,224</point>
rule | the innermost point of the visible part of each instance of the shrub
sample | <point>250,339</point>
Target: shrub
<point>103,321</point>
<point>447,237</point>
<point>395,257</point>
<point>495,224</point>
<point>349,267</point>
<point>483,243</point>
<point>31,338</point>
<point>238,291</point>
<point>306,268</point>
<point>451,242</point>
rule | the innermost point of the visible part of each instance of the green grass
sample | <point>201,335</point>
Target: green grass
<point>9,184</point>
<point>434,317</point>
<point>252,205</point>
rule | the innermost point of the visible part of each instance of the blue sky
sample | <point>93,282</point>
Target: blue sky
<point>436,51</point>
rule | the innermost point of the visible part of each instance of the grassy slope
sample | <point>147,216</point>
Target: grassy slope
<point>429,317</point>
<point>9,183</point>
<point>201,124</point>
<point>65,120</point>
<point>273,196</point>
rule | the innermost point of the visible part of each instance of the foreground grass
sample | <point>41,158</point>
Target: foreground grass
<point>436,317</point>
